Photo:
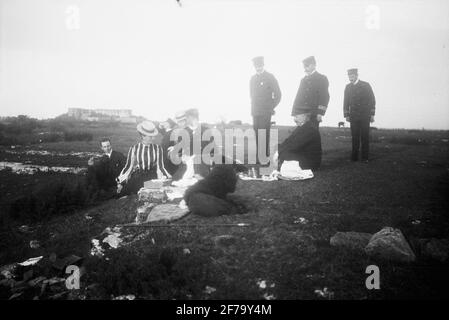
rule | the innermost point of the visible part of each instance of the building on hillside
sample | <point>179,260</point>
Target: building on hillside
<point>121,115</point>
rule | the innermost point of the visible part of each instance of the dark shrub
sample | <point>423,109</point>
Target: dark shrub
<point>20,124</point>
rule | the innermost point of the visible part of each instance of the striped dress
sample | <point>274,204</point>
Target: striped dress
<point>143,157</point>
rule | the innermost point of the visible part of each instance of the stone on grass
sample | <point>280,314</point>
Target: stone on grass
<point>437,249</point>
<point>166,212</point>
<point>225,240</point>
<point>390,244</point>
<point>352,240</point>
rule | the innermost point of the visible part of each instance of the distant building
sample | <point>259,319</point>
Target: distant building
<point>122,115</point>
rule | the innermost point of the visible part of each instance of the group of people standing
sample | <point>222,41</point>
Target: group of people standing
<point>310,105</point>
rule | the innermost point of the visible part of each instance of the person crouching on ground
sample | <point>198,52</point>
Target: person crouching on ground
<point>145,161</point>
<point>102,172</point>
<point>303,144</point>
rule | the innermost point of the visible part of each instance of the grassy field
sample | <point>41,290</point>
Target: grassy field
<point>407,180</point>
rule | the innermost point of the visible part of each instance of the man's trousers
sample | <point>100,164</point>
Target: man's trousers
<point>262,122</point>
<point>360,136</point>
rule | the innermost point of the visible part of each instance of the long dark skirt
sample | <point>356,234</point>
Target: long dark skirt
<point>136,181</point>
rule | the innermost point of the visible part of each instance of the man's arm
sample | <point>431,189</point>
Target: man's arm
<point>127,169</point>
<point>346,102</point>
<point>276,92</point>
<point>296,102</point>
<point>372,100</point>
<point>323,96</point>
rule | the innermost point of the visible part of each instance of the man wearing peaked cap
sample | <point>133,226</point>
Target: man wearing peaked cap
<point>265,96</point>
<point>359,106</point>
<point>313,93</point>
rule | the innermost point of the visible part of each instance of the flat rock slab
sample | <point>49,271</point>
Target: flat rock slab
<point>166,212</point>
<point>390,244</point>
<point>224,240</point>
<point>352,240</point>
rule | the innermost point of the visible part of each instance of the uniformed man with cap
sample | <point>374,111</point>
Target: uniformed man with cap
<point>265,96</point>
<point>359,108</point>
<point>313,93</point>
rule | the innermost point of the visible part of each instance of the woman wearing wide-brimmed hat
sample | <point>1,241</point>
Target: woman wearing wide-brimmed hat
<point>145,160</point>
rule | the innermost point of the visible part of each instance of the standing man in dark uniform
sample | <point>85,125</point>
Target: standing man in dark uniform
<point>313,93</point>
<point>265,96</point>
<point>359,107</point>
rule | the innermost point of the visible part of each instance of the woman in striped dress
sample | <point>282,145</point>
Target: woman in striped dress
<point>145,161</point>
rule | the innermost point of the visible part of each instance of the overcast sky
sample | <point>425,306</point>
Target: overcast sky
<point>156,57</point>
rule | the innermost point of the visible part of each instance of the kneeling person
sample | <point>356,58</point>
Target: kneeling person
<point>102,173</point>
<point>303,144</point>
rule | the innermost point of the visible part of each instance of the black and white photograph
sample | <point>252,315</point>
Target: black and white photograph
<point>209,151</point>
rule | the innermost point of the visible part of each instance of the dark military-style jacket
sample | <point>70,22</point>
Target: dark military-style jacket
<point>312,96</point>
<point>265,94</point>
<point>303,145</point>
<point>359,101</point>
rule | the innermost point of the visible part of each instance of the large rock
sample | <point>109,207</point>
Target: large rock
<point>166,212</point>
<point>390,244</point>
<point>352,240</point>
<point>437,249</point>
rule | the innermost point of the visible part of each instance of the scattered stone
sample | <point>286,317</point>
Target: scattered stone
<point>8,271</point>
<point>209,290</point>
<point>15,295</point>
<point>224,240</point>
<point>96,249</point>
<point>301,220</point>
<point>353,240</point>
<point>416,222</point>
<point>113,240</point>
<point>390,244</point>
<point>31,261</point>
<point>325,293</point>
<point>267,296</point>
<point>437,249</point>
<point>34,244</point>
<point>125,297</point>
<point>262,284</point>
<point>24,229</point>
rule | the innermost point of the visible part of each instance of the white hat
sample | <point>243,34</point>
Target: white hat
<point>147,128</point>
<point>180,115</point>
